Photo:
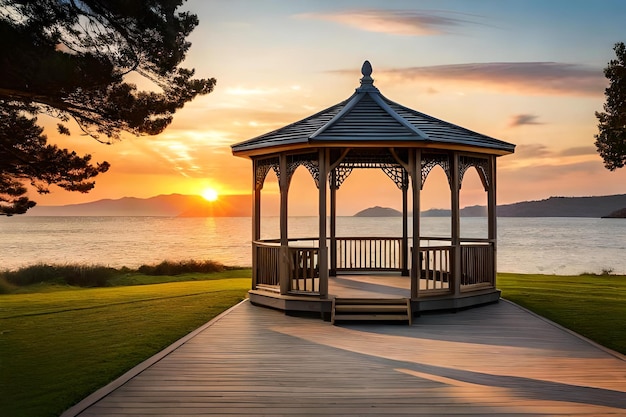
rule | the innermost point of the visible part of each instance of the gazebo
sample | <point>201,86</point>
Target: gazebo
<point>377,277</point>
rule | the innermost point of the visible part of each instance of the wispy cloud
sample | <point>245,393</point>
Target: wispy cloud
<point>538,151</point>
<point>545,78</point>
<point>396,22</point>
<point>554,173</point>
<point>524,119</point>
<point>533,150</point>
<point>579,151</point>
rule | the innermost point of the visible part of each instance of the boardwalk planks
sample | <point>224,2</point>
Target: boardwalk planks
<point>494,360</point>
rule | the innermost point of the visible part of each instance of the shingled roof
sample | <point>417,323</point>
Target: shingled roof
<point>369,117</point>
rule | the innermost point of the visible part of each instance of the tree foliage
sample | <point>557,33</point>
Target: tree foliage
<point>611,138</point>
<point>74,60</point>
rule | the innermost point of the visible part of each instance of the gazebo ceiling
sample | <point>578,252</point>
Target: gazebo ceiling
<point>368,119</point>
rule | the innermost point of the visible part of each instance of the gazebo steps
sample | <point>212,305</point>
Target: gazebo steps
<point>370,309</point>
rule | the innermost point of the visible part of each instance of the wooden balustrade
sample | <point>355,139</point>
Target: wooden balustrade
<point>435,266</point>
<point>304,269</point>
<point>477,265</point>
<point>377,254</point>
<point>369,254</point>
<point>267,264</point>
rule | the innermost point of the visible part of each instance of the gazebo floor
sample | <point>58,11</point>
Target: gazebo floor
<point>375,286</point>
<point>497,360</point>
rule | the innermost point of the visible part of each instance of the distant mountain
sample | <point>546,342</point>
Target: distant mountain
<point>470,211</point>
<point>379,212</point>
<point>436,213</point>
<point>172,205</point>
<point>565,207</point>
<point>604,206</point>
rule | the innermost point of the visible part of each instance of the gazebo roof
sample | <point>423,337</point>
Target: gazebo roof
<point>368,118</point>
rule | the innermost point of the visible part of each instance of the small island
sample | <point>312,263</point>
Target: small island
<point>378,211</point>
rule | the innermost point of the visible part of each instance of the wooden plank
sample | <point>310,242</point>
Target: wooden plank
<point>494,360</point>
<point>371,317</point>
<point>371,308</point>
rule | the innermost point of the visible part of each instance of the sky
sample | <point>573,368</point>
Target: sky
<point>523,71</point>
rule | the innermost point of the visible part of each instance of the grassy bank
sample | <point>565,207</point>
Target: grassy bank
<point>58,343</point>
<point>591,305</point>
<point>79,275</point>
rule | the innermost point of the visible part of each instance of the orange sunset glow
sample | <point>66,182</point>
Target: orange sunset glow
<point>522,72</point>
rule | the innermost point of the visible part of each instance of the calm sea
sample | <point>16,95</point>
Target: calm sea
<point>526,245</point>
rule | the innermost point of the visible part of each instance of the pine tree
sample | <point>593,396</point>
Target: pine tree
<point>71,60</point>
<point>611,139</point>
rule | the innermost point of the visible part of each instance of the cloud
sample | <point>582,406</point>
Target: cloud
<point>579,151</point>
<point>541,151</point>
<point>533,150</point>
<point>524,119</point>
<point>545,173</point>
<point>395,22</point>
<point>528,78</point>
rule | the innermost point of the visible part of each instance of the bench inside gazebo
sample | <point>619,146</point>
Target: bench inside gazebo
<point>347,278</point>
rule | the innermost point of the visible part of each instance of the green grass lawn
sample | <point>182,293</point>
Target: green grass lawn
<point>591,305</point>
<point>60,345</point>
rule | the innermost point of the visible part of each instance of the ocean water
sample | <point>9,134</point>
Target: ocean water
<point>525,245</point>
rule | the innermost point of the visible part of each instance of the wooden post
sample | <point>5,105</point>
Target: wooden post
<point>333,224</point>
<point>284,262</point>
<point>256,222</point>
<point>405,228</point>
<point>492,216</point>
<point>323,253</point>
<point>415,171</point>
<point>456,224</point>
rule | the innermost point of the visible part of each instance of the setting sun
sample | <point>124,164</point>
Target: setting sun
<point>210,194</point>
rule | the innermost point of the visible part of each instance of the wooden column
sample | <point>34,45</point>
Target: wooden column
<point>283,183</point>
<point>323,249</point>
<point>405,228</point>
<point>492,215</point>
<point>256,221</point>
<point>415,172</point>
<point>456,224</point>
<point>333,224</point>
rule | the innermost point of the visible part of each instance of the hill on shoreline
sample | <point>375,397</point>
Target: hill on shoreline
<point>611,206</point>
<point>179,205</point>
<point>601,206</point>
<point>172,205</point>
<point>378,211</point>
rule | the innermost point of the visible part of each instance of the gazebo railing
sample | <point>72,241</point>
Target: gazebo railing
<point>477,266</point>
<point>303,271</point>
<point>267,267</point>
<point>436,262</point>
<point>435,269</point>
<point>369,254</point>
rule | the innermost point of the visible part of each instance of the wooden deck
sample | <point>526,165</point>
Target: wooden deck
<point>252,361</point>
<point>389,285</point>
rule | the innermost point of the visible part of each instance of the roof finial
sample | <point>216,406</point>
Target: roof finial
<point>367,82</point>
<point>366,69</point>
